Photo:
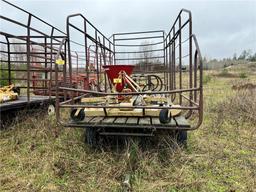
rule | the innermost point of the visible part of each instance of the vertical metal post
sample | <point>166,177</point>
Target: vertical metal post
<point>97,62</point>
<point>190,58</point>
<point>169,63</point>
<point>87,59</point>
<point>76,63</point>
<point>9,61</point>
<point>195,75</point>
<point>110,60</point>
<point>114,49</point>
<point>51,57</point>
<point>174,59</point>
<point>165,59</point>
<point>69,56</point>
<point>57,102</point>
<point>105,62</point>
<point>180,60</point>
<point>173,62</point>
<point>65,72</point>
<point>100,64</point>
<point>28,57</point>
<point>45,65</point>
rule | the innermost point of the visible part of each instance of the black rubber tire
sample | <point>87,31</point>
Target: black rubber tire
<point>164,116</point>
<point>91,137</point>
<point>79,117</point>
<point>182,137</point>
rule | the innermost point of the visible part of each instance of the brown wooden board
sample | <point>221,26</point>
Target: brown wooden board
<point>97,120</point>
<point>120,120</point>
<point>132,120</point>
<point>88,119</point>
<point>181,121</point>
<point>144,121</point>
<point>108,120</point>
<point>155,121</point>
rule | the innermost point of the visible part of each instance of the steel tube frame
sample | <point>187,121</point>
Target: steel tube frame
<point>170,42</point>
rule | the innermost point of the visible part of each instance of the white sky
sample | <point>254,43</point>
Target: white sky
<point>222,27</point>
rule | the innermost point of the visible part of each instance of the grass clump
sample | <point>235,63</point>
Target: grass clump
<point>207,78</point>
<point>225,73</point>
<point>239,108</point>
<point>243,75</point>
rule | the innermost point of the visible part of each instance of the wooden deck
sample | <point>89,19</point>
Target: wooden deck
<point>178,122</point>
<point>23,102</point>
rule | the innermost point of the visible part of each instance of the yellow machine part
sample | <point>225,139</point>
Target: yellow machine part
<point>7,94</point>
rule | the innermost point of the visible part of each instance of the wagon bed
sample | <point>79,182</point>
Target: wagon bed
<point>178,122</point>
<point>23,102</point>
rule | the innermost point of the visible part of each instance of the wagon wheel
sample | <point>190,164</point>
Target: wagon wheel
<point>182,137</point>
<point>154,83</point>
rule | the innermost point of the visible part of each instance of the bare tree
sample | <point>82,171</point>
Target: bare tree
<point>147,54</point>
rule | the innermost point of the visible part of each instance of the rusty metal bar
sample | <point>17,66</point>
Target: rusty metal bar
<point>28,57</point>
<point>129,93</point>
<point>138,38</point>
<point>33,16</point>
<point>8,61</point>
<point>126,107</point>
<point>97,62</point>
<point>180,61</point>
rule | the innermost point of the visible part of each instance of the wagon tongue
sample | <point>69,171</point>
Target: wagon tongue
<point>113,72</point>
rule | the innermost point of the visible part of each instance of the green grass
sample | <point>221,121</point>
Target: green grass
<point>38,155</point>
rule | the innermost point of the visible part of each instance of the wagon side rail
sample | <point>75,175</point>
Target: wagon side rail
<point>184,63</point>
<point>91,37</point>
<point>28,51</point>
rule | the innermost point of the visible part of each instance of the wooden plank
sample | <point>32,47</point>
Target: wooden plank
<point>93,112</point>
<point>152,112</point>
<point>181,121</point>
<point>96,120</point>
<point>172,123</point>
<point>175,112</point>
<point>108,120</point>
<point>132,120</point>
<point>88,119</point>
<point>144,121</point>
<point>118,113</point>
<point>169,101</point>
<point>93,99</point>
<point>120,120</point>
<point>155,121</point>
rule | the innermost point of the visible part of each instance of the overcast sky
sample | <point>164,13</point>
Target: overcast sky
<point>222,27</point>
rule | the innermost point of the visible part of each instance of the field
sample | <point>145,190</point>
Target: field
<point>38,155</point>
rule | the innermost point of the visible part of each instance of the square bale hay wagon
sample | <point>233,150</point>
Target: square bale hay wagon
<point>144,82</point>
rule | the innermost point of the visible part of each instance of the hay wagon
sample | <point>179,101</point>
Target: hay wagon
<point>145,82</point>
